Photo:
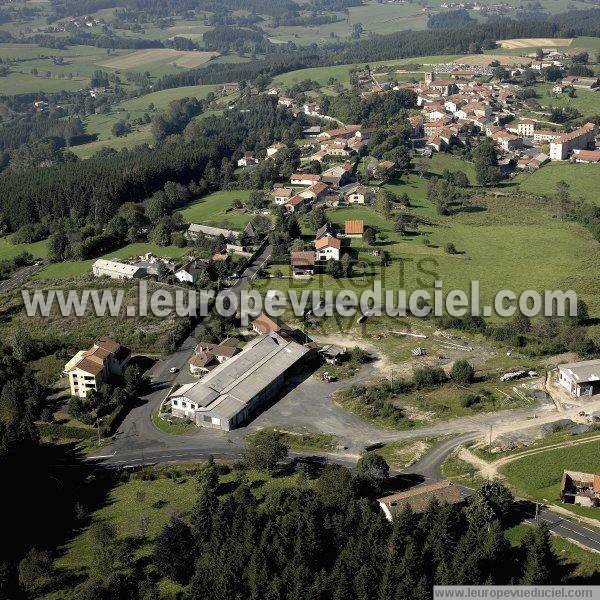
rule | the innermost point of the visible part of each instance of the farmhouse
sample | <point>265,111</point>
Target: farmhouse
<point>191,272</point>
<point>90,368</point>
<point>235,389</point>
<point>580,378</point>
<point>303,263</point>
<point>328,248</point>
<point>419,498</point>
<point>282,195</point>
<point>358,194</point>
<point>580,488</point>
<point>247,160</point>
<point>117,270</point>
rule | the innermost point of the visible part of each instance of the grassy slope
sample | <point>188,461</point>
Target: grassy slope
<point>157,500</point>
<point>587,103</point>
<point>9,250</point>
<point>539,475</point>
<point>341,72</point>
<point>215,209</point>
<point>500,245</point>
<point>583,179</point>
<point>101,124</point>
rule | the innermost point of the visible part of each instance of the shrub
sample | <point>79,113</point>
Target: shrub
<point>462,372</point>
<point>428,377</point>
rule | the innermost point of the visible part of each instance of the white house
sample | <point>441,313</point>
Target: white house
<point>191,272</point>
<point>359,194</point>
<point>328,248</point>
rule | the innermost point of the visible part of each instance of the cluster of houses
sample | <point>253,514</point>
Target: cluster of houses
<point>454,106</point>
<point>329,187</point>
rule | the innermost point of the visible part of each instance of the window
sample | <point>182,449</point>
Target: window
<point>207,419</point>
<point>174,402</point>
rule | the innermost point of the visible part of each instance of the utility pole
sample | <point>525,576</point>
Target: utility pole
<point>98,421</point>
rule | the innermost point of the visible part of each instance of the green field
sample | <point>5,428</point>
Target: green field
<point>538,476</point>
<point>498,244</point>
<point>135,108</point>
<point>375,17</point>
<point>583,179</point>
<point>587,103</point>
<point>9,250</point>
<point>215,209</point>
<point>163,98</point>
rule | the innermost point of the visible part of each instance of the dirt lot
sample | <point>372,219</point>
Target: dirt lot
<point>531,42</point>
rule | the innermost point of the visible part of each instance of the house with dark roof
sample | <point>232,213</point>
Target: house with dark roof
<point>303,263</point>
<point>419,498</point>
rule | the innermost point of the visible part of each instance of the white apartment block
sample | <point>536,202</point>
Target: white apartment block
<point>90,368</point>
<point>580,139</point>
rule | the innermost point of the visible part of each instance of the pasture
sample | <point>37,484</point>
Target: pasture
<point>216,210</point>
<point>101,124</point>
<point>9,250</point>
<point>538,476</point>
<point>342,72</point>
<point>586,102</point>
<point>497,241</point>
<point>583,179</point>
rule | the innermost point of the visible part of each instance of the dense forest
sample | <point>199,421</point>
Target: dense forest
<point>40,126</point>
<point>95,188</point>
<point>326,539</point>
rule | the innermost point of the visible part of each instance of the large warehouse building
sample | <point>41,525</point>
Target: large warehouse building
<point>225,397</point>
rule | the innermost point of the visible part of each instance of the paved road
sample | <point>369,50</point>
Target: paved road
<point>572,530</point>
<point>19,278</point>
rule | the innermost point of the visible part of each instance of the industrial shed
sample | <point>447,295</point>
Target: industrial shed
<point>231,392</point>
